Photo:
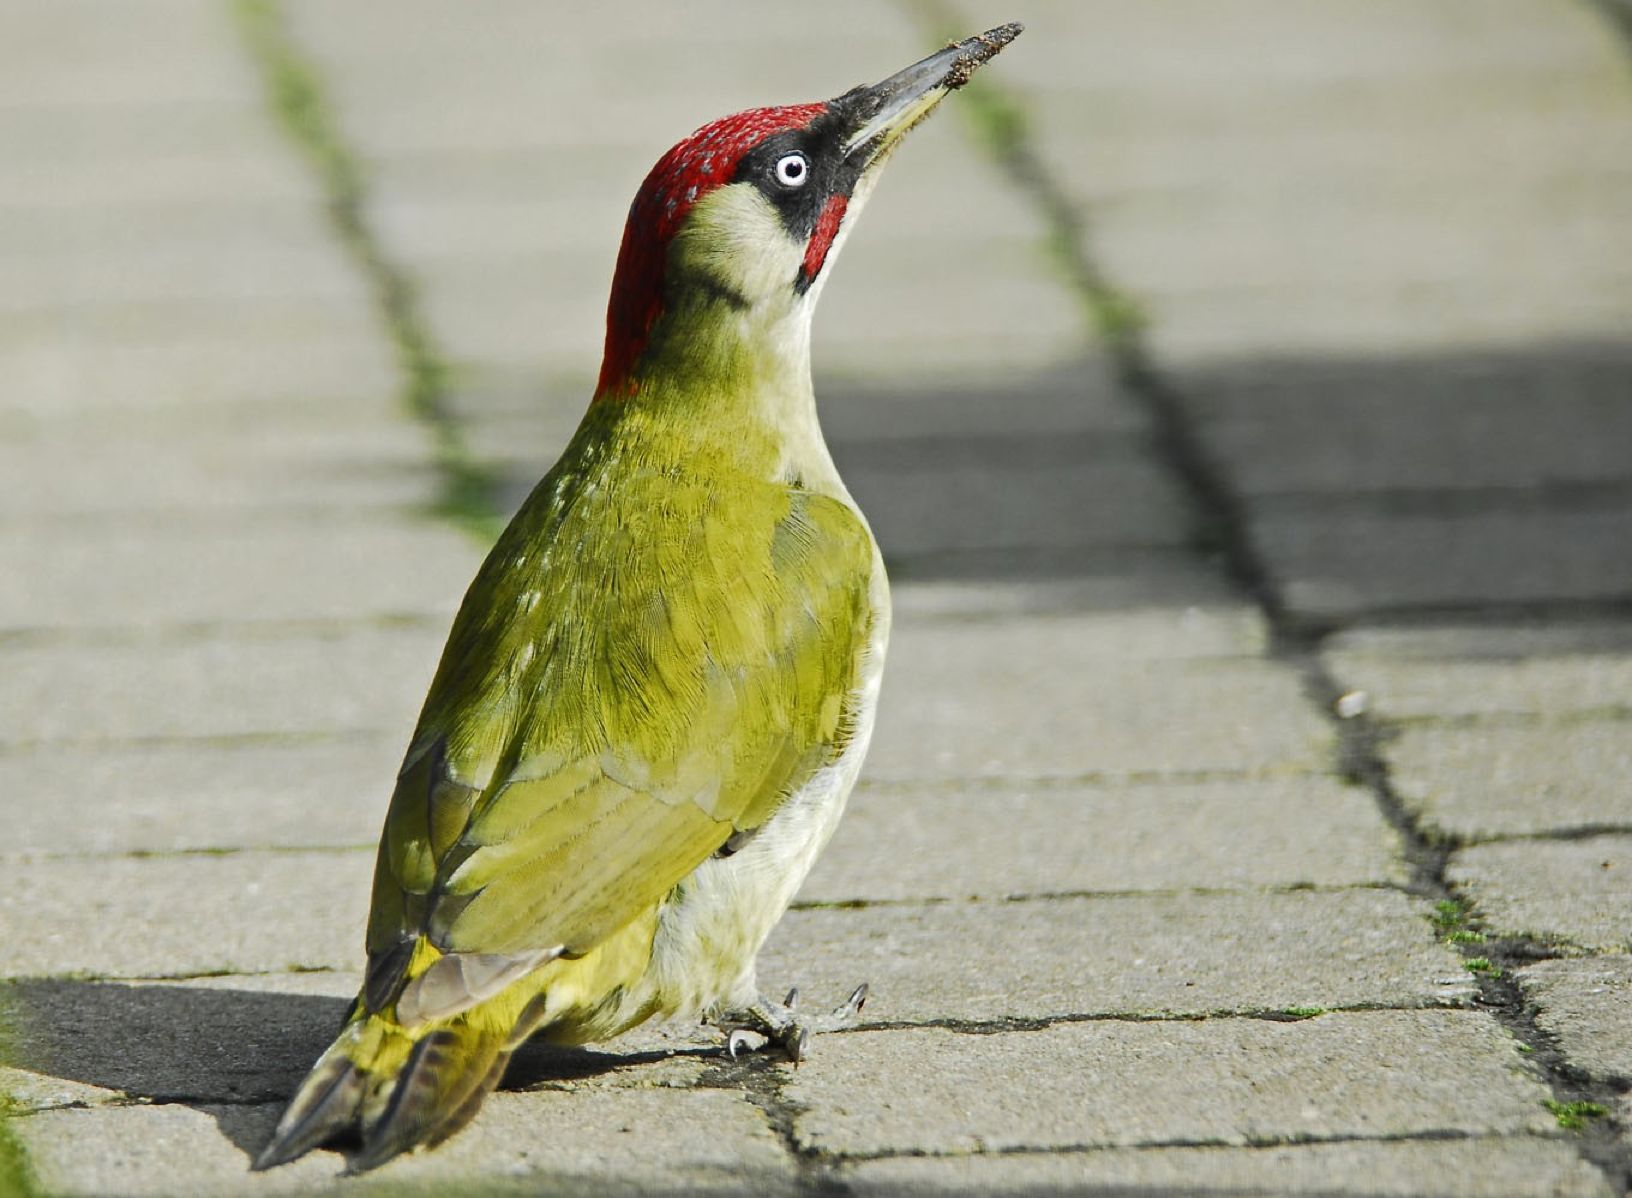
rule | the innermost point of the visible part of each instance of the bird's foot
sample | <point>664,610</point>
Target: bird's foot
<point>782,1024</point>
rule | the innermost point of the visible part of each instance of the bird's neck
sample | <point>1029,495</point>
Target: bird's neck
<point>725,382</point>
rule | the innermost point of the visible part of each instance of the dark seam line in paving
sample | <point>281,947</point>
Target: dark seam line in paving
<point>1472,500</point>
<point>1222,529</point>
<point>225,740</point>
<point>1249,1142</point>
<point>1045,896</point>
<point>1609,714</point>
<point>298,98</point>
<point>1042,1023</point>
<point>1103,779</point>
<point>204,631</point>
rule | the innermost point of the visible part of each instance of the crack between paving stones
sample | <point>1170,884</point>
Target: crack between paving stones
<point>1251,1143</point>
<point>1047,896</point>
<point>299,100</point>
<point>198,632</point>
<point>1221,532</point>
<point>763,1081</point>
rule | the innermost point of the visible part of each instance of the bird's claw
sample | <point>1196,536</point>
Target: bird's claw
<point>768,1022</point>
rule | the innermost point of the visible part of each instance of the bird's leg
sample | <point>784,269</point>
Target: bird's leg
<point>782,1024</point>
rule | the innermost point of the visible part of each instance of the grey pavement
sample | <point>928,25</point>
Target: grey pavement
<point>1247,811</point>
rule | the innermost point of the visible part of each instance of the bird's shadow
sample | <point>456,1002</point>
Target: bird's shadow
<point>236,1055</point>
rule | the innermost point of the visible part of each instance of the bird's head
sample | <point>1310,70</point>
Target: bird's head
<point>730,239</point>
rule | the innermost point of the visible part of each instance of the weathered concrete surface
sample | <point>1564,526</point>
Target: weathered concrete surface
<point>1478,1167</point>
<point>1233,1081</point>
<point>1475,783</point>
<point>628,1142</point>
<point>1584,1004</point>
<point>190,914</point>
<point>1119,956</point>
<point>1574,891</point>
<point>997,841</point>
<point>186,795</point>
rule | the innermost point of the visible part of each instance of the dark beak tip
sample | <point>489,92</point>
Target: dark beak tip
<point>978,50</point>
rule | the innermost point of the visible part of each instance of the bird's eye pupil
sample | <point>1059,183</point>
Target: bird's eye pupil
<point>791,170</point>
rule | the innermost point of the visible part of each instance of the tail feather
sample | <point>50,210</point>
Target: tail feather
<point>325,1105</point>
<point>448,1074</point>
<point>399,1089</point>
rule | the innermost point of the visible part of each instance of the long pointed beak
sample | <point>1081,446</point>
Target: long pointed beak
<point>887,110</point>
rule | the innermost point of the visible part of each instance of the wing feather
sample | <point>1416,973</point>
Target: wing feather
<point>642,669</point>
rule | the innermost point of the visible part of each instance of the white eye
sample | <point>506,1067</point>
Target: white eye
<point>792,170</point>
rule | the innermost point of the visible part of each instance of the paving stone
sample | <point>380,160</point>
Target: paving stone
<point>1115,1084</point>
<point>177,915</point>
<point>1576,891</point>
<point>1339,564</point>
<point>1584,1004</point>
<point>309,269</point>
<point>629,1142</point>
<point>948,506</point>
<point>368,467</point>
<point>1442,423</point>
<point>65,371</point>
<point>324,683</point>
<point>197,796</point>
<point>949,842</point>
<point>1514,670</point>
<point>1037,699</point>
<point>1179,954</point>
<point>272,568</point>
<point>1477,1167</point>
<point>1279,194</point>
<point>1155,600</point>
<point>1480,782</point>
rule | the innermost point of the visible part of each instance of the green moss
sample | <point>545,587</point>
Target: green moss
<point>1466,936</point>
<point>1449,916</point>
<point>1305,1012</point>
<point>16,1178</point>
<point>1482,965</point>
<point>1573,1116</point>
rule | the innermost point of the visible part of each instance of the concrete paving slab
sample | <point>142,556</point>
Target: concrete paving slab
<point>630,1142</point>
<point>168,798</point>
<point>1574,891</point>
<point>1279,192</point>
<point>1500,671</point>
<point>246,568</point>
<point>1445,424</point>
<point>1155,599</point>
<point>1050,501</point>
<point>1343,564</point>
<point>1113,1084</point>
<point>1170,954</point>
<point>1477,1167</point>
<point>1037,699</point>
<point>1584,1004</point>
<point>66,371</point>
<point>178,915</point>
<point>1480,782</point>
<point>951,842</point>
<point>262,684</point>
<point>366,466</point>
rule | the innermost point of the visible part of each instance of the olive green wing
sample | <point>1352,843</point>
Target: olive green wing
<point>675,662</point>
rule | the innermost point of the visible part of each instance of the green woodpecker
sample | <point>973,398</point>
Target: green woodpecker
<point>657,693</point>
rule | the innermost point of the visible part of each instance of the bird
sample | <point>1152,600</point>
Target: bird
<point>658,690</point>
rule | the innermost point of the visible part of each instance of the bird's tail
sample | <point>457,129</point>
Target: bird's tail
<point>400,1089</point>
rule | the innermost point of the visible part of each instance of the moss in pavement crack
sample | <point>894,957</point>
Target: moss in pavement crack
<point>297,98</point>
